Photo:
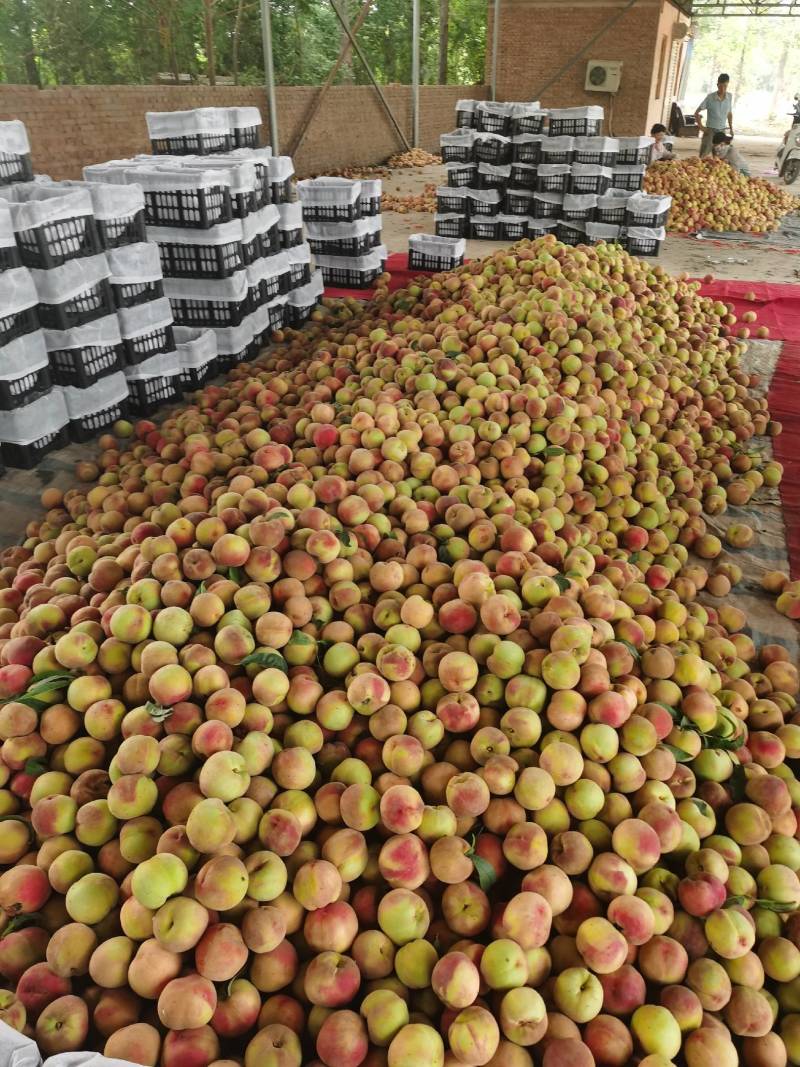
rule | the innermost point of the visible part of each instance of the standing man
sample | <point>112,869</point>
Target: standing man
<point>718,107</point>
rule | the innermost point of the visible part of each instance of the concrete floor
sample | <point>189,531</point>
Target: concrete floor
<point>20,490</point>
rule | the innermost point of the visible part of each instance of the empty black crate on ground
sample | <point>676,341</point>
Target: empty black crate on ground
<point>15,153</point>
<point>135,274</point>
<point>576,121</point>
<point>147,395</point>
<point>602,231</point>
<point>330,199</point>
<point>648,211</point>
<point>26,457</point>
<point>83,356</point>
<point>88,427</point>
<point>197,356</point>
<point>30,430</point>
<point>634,150</point>
<point>462,174</point>
<point>355,273</point>
<point>302,301</point>
<point>450,225</point>
<point>427,252</point>
<point>212,253</point>
<point>92,410</point>
<point>18,298</point>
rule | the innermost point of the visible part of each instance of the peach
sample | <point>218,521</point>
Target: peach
<point>473,1036</point>
<point>416,1043</point>
<point>63,1025</point>
<point>342,1040</point>
<point>274,1045</point>
<point>137,1042</point>
<point>331,980</point>
<point>187,1003</point>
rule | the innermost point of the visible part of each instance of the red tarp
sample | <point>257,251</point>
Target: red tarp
<point>784,405</point>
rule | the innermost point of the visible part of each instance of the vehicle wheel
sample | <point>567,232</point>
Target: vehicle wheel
<point>791,171</point>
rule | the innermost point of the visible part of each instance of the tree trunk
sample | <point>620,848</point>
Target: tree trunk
<point>26,33</point>
<point>444,32</point>
<point>211,55</point>
<point>237,29</point>
<point>346,68</point>
<point>779,76</point>
<point>299,32</point>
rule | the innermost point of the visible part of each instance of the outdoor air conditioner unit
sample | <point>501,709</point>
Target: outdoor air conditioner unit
<point>603,75</point>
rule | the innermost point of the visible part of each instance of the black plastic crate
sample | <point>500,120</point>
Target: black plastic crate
<point>268,288</point>
<point>575,127</point>
<point>243,203</point>
<point>196,209</point>
<point>462,175</point>
<point>602,159</point>
<point>15,167</point>
<point>545,208</point>
<point>281,191</point>
<point>551,183</point>
<point>130,294</point>
<point>552,155</point>
<point>82,367</point>
<point>570,233</point>
<point>633,155</point>
<point>533,123</point>
<point>488,179</point>
<point>193,144</point>
<point>195,377</point>
<point>451,226</point>
<point>486,229</point>
<point>347,277</point>
<point>523,176</point>
<point>228,360</point>
<point>125,230</point>
<point>25,457</point>
<point>451,201</point>
<point>643,245</point>
<point>513,227</point>
<point>53,243</point>
<point>527,151</point>
<point>89,426</point>
<point>22,390</point>
<point>478,207</point>
<point>300,274</point>
<point>418,260</point>
<point>613,211</point>
<point>146,395</point>
<point>578,212</point>
<point>199,260</point>
<point>144,345</point>
<point>251,250</point>
<point>291,238</point>
<point>343,246</point>
<point>298,314</point>
<point>491,122</point>
<point>647,218</point>
<point>541,227</point>
<point>202,312</point>
<point>9,257</point>
<point>93,303</point>
<point>456,153</point>
<point>331,212</point>
<point>491,149</point>
<point>370,206</point>
<point>589,183</point>
<point>246,136</point>
<point>17,324</point>
<point>465,119</point>
<point>631,180</point>
<point>518,202</point>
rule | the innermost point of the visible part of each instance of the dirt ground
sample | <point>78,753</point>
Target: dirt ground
<point>726,259</point>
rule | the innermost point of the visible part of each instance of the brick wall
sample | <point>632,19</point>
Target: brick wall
<point>538,36</point>
<point>71,126</point>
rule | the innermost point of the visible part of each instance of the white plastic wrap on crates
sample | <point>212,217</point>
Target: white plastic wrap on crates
<point>23,355</point>
<point>260,221</point>
<point>602,231</point>
<point>30,422</point>
<point>430,245</point>
<point>460,138</point>
<point>329,191</point>
<point>103,394</point>
<point>224,233</point>
<point>260,319</point>
<point>62,283</point>
<point>290,216</point>
<point>228,290</point>
<point>595,144</point>
<point>521,110</point>
<point>144,318</point>
<point>338,231</point>
<point>312,292</point>
<point>102,333</point>
<point>240,118</point>
<point>134,263</point>
<point>486,196</point>
<point>241,173</point>
<point>14,138</point>
<point>371,187</point>
<point>460,191</point>
<point>162,365</point>
<point>592,169</point>
<point>110,200</point>
<point>611,197</point>
<point>266,267</point>
<point>18,291</point>
<point>165,124</point>
<point>281,168</point>
<point>550,170</point>
<point>626,170</point>
<point>41,204</point>
<point>113,172</point>
<point>529,138</point>
<point>490,107</point>
<point>466,105</point>
<point>634,143</point>
<point>494,170</point>
<point>592,111</point>
<point>195,347</point>
<point>550,198</point>
<point>234,339</point>
<point>558,144</point>
<point>7,238</point>
<point>647,233</point>
<point>170,179</point>
<point>372,260</point>
<point>485,135</point>
<point>259,156</point>
<point>299,254</point>
<point>648,204</point>
<point>580,201</point>
<point>374,223</point>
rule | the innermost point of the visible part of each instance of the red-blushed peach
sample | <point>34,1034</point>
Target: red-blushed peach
<point>456,980</point>
<point>237,1011</point>
<point>602,947</point>
<point>523,1016</point>
<point>609,1040</point>
<point>220,953</point>
<point>63,1025</point>
<point>567,1052</point>
<point>137,1042</point>
<point>403,915</point>
<point>331,980</point>
<point>342,1040</point>
<point>416,1043</point>
<point>710,1047</point>
<point>473,1036</point>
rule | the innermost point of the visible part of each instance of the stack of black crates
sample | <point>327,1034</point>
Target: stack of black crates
<point>515,170</point>
<point>343,224</point>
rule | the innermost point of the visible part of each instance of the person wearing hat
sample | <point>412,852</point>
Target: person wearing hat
<point>718,107</point>
<point>723,149</point>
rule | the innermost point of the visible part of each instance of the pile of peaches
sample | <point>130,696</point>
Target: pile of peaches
<point>390,705</point>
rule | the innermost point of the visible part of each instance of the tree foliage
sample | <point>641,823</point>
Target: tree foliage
<point>80,42</point>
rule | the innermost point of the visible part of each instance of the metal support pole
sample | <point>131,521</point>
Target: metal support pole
<point>371,76</point>
<point>415,72</point>
<point>269,73</point>
<point>495,46</point>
